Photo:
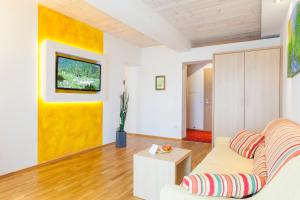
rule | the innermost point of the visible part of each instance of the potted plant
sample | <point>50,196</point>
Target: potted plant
<point>121,134</point>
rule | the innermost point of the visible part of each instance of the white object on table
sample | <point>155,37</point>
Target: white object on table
<point>154,149</point>
<point>152,172</point>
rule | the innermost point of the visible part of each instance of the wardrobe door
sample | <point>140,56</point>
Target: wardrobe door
<point>228,93</point>
<point>262,75</point>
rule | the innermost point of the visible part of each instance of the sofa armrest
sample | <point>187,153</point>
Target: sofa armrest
<point>222,141</point>
<point>175,192</point>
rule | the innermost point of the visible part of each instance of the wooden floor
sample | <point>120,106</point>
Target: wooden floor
<point>103,173</point>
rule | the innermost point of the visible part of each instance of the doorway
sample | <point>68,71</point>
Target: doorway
<point>199,76</point>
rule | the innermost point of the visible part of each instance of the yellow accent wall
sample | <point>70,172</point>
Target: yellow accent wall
<point>66,128</point>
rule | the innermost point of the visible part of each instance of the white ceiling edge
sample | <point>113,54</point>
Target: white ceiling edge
<point>144,19</point>
<point>272,18</point>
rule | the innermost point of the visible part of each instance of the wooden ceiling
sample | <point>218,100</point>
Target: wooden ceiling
<point>203,22</point>
<point>207,22</point>
<point>82,11</point>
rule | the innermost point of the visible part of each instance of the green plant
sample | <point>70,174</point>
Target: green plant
<point>123,109</point>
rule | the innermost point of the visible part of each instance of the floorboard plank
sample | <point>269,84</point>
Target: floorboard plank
<point>102,173</point>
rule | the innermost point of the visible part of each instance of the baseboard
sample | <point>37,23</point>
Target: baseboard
<point>194,129</point>
<point>65,157</point>
<point>153,136</point>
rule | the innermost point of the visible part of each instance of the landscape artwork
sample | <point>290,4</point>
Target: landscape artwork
<point>294,42</point>
<point>73,74</point>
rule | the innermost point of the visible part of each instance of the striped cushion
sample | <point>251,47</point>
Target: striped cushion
<point>245,143</point>
<point>260,165</point>
<point>222,185</point>
<point>282,138</point>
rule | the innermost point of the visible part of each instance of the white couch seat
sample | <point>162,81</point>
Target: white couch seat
<point>224,160</point>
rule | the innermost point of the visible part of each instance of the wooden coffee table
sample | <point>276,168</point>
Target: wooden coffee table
<point>152,172</point>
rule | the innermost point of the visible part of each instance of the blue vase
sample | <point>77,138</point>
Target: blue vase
<point>121,139</point>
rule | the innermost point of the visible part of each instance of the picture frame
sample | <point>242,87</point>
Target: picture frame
<point>293,42</point>
<point>160,82</point>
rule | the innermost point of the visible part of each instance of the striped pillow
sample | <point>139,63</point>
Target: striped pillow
<point>222,185</point>
<point>260,165</point>
<point>245,143</point>
<point>282,138</point>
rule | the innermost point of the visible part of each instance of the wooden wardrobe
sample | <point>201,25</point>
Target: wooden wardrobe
<point>246,90</point>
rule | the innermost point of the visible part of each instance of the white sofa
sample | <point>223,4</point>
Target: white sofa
<point>285,186</point>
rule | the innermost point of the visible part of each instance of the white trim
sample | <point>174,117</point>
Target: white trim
<point>48,57</point>
<point>135,13</point>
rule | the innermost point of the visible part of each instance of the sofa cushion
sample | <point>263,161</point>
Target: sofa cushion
<point>282,138</point>
<point>222,159</point>
<point>245,143</point>
<point>260,165</point>
<point>223,185</point>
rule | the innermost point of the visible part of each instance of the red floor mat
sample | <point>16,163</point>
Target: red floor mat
<point>198,136</point>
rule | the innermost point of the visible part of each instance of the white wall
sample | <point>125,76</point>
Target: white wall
<point>118,54</point>
<point>18,85</point>
<point>48,54</point>
<point>272,17</point>
<point>161,113</point>
<point>290,86</point>
<point>132,81</point>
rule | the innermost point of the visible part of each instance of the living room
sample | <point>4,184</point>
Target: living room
<point>67,134</point>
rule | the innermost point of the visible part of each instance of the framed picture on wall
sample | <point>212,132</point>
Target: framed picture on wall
<point>160,82</point>
<point>293,42</point>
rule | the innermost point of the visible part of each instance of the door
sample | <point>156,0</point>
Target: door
<point>195,111</point>
<point>228,94</point>
<point>262,74</point>
<point>208,72</point>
